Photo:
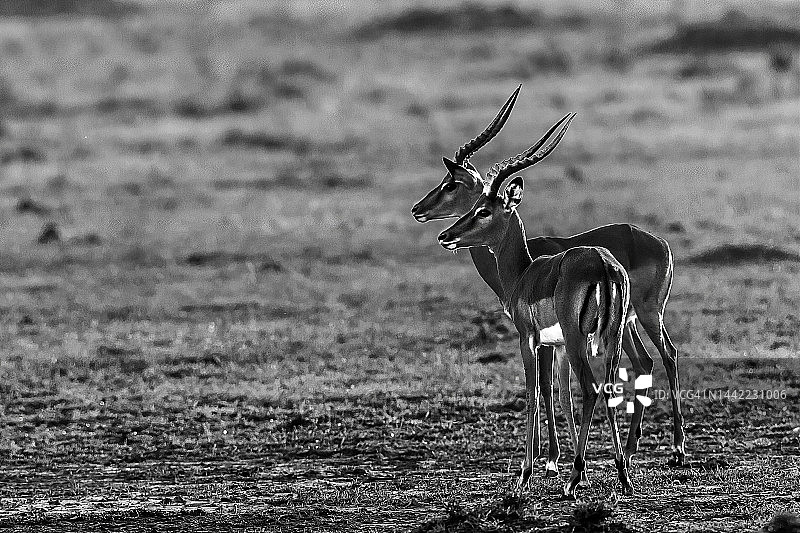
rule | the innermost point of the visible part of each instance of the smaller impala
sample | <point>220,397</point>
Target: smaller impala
<point>577,298</point>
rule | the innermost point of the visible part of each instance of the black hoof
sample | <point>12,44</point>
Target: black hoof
<point>624,477</point>
<point>570,490</point>
<point>583,482</point>
<point>524,477</point>
<point>575,482</point>
<point>678,459</point>
<point>628,491</point>
<point>629,459</point>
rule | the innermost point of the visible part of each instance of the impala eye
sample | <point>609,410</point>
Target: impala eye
<point>483,213</point>
<point>450,186</point>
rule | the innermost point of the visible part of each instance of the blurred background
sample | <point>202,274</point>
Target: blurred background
<point>251,166</point>
<point>206,234</point>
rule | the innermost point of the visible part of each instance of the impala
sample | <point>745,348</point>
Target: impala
<point>646,257</point>
<point>456,194</point>
<point>577,298</point>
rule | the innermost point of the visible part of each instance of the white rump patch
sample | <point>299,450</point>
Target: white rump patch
<point>552,335</point>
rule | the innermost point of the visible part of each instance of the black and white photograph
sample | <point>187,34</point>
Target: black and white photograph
<point>429,266</point>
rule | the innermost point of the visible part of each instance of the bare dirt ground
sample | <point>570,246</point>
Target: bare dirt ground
<point>218,313</point>
<point>377,463</point>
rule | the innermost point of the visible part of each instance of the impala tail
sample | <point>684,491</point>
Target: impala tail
<point>604,309</point>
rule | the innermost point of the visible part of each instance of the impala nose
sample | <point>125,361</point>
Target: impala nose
<point>415,211</point>
<point>446,240</point>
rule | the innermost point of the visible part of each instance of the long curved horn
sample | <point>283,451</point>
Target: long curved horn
<point>500,171</point>
<point>494,127</point>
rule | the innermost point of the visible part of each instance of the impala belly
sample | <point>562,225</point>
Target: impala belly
<point>550,332</point>
<point>543,314</point>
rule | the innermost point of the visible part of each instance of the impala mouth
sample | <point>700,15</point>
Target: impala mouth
<point>429,217</point>
<point>450,245</point>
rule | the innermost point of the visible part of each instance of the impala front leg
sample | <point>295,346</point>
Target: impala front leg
<point>654,327</point>
<point>532,439</point>
<point>547,356</point>
<point>565,394</point>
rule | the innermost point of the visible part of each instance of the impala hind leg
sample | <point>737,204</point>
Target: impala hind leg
<point>532,446</point>
<point>654,327</point>
<point>642,364</point>
<point>565,400</point>
<point>547,355</point>
<point>577,352</point>
<point>612,365</point>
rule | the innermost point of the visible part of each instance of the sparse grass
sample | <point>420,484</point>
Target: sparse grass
<point>241,313</point>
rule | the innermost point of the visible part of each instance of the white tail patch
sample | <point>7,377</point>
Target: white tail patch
<point>594,344</point>
<point>551,335</point>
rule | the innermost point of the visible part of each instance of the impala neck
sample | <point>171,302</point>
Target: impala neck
<point>486,265</point>
<point>512,256</point>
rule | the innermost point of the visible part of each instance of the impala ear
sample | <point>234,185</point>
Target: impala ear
<point>459,173</point>
<point>513,194</point>
<point>451,165</point>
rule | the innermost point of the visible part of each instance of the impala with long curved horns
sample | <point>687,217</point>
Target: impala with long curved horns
<point>454,195</point>
<point>460,172</point>
<point>649,263</point>
<point>577,298</point>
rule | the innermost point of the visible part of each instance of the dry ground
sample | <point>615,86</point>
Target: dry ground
<point>240,326</point>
